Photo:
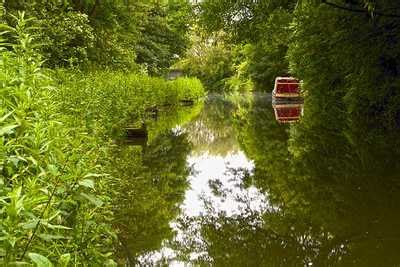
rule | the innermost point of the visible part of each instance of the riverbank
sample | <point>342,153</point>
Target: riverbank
<point>57,129</point>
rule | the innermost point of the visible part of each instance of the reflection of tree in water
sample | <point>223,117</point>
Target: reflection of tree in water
<point>152,185</point>
<point>337,194</point>
<point>261,137</point>
<point>151,182</point>
<point>335,181</point>
<point>212,131</point>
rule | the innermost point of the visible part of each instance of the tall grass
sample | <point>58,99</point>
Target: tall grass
<point>55,146</point>
<point>113,99</point>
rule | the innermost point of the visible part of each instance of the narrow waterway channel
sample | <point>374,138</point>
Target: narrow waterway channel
<point>216,158</point>
<point>228,183</point>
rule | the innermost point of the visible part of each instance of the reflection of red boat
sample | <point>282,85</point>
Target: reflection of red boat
<point>288,112</point>
<point>286,87</point>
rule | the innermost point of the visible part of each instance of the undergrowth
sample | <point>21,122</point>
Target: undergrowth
<point>56,132</point>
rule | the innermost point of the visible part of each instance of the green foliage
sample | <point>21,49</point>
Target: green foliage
<point>266,57</point>
<point>267,28</point>
<point>64,35</point>
<point>240,18</point>
<point>42,162</point>
<point>56,151</point>
<point>68,40</point>
<point>122,97</point>
<point>260,33</point>
<point>109,34</point>
<point>164,35</point>
<point>210,61</point>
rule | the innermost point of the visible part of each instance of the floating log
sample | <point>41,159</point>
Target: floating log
<point>152,112</point>
<point>187,102</point>
<point>136,136</point>
<point>136,141</point>
<point>137,132</point>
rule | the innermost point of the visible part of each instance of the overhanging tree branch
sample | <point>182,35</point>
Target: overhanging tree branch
<point>357,10</point>
<point>94,8</point>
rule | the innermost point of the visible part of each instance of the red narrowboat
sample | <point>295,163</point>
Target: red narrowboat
<point>288,112</point>
<point>286,87</point>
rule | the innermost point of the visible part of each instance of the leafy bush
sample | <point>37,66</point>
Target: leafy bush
<point>210,62</point>
<point>164,35</point>
<point>115,34</point>
<point>52,193</point>
<point>66,37</point>
<point>110,99</point>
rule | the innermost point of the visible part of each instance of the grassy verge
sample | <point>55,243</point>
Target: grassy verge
<point>113,99</point>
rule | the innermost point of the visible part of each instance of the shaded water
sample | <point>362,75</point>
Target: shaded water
<point>226,184</point>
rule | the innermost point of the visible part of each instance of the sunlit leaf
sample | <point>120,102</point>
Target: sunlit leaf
<point>6,116</point>
<point>48,237</point>
<point>30,225</point>
<point>53,169</point>
<point>64,260</point>
<point>53,226</point>
<point>7,129</point>
<point>95,175</point>
<point>87,183</point>
<point>93,199</point>
<point>40,260</point>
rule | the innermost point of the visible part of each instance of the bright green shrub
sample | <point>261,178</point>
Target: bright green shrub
<point>112,99</point>
<point>53,200</point>
<point>66,38</point>
<point>211,63</point>
<point>187,88</point>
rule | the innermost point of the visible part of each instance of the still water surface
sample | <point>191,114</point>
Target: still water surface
<point>234,187</point>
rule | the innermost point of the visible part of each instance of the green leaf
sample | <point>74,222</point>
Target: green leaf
<point>110,263</point>
<point>64,260</point>
<point>94,200</point>
<point>54,226</point>
<point>30,225</point>
<point>95,175</point>
<point>87,183</point>
<point>53,169</point>
<point>48,237</point>
<point>40,260</point>
<point>6,116</point>
<point>7,129</point>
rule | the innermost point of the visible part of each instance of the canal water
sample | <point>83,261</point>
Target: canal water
<point>239,181</point>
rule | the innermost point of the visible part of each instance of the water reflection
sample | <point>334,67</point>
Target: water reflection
<point>288,112</point>
<point>153,179</point>
<point>234,187</point>
<point>215,158</point>
<point>213,182</point>
<point>212,131</point>
<point>333,192</point>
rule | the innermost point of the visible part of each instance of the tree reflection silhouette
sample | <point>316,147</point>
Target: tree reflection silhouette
<point>151,186</point>
<point>334,188</point>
